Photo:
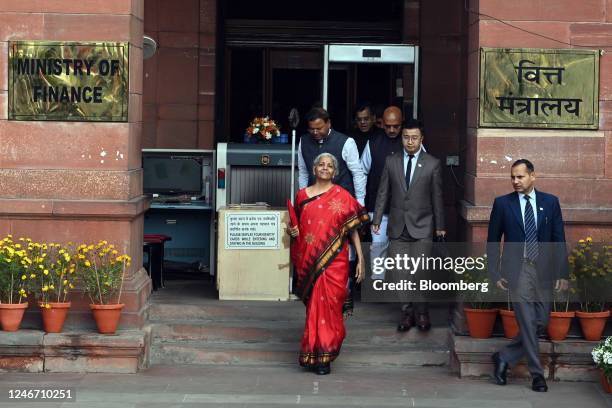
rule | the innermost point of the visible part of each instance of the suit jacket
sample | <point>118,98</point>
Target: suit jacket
<point>420,209</point>
<point>506,220</point>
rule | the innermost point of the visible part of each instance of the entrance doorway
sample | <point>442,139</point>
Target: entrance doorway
<point>265,81</point>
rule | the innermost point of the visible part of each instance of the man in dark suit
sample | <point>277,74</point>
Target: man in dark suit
<point>411,184</point>
<point>534,257</point>
<point>365,129</point>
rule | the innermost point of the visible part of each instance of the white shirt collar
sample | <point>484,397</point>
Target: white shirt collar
<point>532,195</point>
<point>416,155</point>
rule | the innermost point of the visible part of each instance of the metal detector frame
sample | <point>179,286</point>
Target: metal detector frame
<point>372,54</point>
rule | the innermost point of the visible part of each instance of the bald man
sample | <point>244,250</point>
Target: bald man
<point>373,161</point>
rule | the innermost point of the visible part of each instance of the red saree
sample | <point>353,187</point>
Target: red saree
<point>320,255</point>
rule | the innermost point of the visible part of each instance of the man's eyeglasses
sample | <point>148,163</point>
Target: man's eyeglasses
<point>412,138</point>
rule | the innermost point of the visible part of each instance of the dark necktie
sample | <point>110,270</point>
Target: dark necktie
<point>408,171</point>
<point>531,232</point>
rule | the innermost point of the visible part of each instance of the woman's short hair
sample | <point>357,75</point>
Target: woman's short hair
<point>331,157</point>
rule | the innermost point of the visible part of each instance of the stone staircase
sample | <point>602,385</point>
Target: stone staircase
<point>202,330</point>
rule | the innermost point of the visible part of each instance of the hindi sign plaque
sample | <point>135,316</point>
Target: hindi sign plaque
<point>68,81</point>
<point>252,230</point>
<point>539,88</point>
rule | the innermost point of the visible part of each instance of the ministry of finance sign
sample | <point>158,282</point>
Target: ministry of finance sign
<point>68,81</point>
<point>539,88</point>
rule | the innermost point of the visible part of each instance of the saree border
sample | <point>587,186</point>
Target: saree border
<point>330,252</point>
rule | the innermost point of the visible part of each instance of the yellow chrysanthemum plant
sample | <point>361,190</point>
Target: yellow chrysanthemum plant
<point>15,283</point>
<point>591,274</point>
<point>102,271</point>
<point>54,270</point>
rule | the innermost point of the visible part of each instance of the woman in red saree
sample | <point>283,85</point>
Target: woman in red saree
<point>327,215</point>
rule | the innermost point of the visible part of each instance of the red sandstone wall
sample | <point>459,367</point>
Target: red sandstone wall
<point>76,181</point>
<point>443,90</point>
<point>574,165</point>
<point>179,81</point>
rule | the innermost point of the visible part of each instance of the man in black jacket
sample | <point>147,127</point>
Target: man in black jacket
<point>365,129</point>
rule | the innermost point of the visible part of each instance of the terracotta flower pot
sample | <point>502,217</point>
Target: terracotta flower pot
<point>607,386</point>
<point>480,322</point>
<point>593,324</point>
<point>11,315</point>
<point>54,317</point>
<point>559,324</point>
<point>511,328</point>
<point>107,317</point>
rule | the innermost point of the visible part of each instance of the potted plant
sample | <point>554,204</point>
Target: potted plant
<point>479,313</point>
<point>602,356</point>
<point>55,271</point>
<point>102,271</point>
<point>509,322</point>
<point>262,129</point>
<point>560,315</point>
<point>592,267</point>
<point>15,283</point>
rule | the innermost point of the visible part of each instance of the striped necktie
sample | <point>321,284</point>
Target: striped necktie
<point>531,232</point>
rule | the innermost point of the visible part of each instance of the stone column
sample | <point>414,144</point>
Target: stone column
<point>575,165</point>
<point>76,181</point>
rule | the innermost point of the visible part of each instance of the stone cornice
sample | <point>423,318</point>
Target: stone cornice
<point>97,209</point>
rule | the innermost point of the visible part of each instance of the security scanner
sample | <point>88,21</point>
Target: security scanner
<point>399,54</point>
<point>250,173</point>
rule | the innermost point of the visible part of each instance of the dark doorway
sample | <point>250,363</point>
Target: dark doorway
<point>245,89</point>
<point>294,88</point>
<point>271,82</point>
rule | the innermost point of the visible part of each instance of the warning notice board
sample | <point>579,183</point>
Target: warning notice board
<point>252,230</point>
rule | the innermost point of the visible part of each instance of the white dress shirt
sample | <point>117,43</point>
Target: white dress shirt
<point>533,202</point>
<point>413,163</point>
<point>366,158</point>
<point>350,155</point>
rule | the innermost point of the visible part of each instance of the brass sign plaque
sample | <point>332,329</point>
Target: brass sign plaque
<point>539,88</point>
<point>68,81</point>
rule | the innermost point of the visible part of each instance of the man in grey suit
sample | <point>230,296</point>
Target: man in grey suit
<point>412,183</point>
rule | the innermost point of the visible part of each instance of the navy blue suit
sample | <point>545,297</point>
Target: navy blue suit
<point>507,221</point>
<point>530,280</point>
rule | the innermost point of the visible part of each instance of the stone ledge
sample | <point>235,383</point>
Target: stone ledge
<point>37,351</point>
<point>568,360</point>
<point>480,214</point>
<point>102,209</point>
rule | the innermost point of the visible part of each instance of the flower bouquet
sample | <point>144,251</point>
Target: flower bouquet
<point>263,129</point>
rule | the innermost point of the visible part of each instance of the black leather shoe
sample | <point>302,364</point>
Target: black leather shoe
<point>406,322</point>
<point>324,369</point>
<point>539,384</point>
<point>500,369</point>
<point>422,322</point>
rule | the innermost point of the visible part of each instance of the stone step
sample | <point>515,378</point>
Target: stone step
<point>358,332</point>
<point>276,311</point>
<point>198,353</point>
<point>567,360</point>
